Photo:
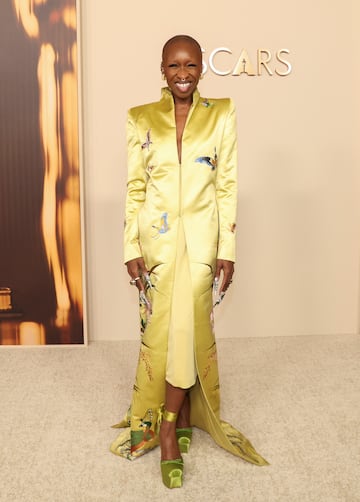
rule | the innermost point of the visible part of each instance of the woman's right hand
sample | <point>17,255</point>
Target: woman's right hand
<point>136,269</point>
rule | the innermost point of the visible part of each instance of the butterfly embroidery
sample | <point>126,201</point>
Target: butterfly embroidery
<point>206,103</point>
<point>211,162</point>
<point>148,141</point>
<point>164,226</point>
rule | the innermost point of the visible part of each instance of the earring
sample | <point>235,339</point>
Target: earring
<point>201,76</point>
<point>163,76</point>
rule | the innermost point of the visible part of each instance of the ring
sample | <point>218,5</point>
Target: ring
<point>133,281</point>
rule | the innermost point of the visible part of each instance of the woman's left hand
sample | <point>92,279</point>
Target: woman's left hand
<point>228,270</point>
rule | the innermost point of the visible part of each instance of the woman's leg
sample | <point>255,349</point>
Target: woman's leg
<point>183,420</point>
<point>175,398</point>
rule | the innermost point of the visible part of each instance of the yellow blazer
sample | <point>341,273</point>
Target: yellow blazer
<point>202,190</point>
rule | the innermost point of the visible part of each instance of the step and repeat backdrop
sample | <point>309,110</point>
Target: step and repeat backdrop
<point>41,272</point>
<point>292,69</point>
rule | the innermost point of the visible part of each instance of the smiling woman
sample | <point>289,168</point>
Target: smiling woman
<point>182,182</point>
<point>182,67</point>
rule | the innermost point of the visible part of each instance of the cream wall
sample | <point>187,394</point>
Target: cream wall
<point>297,270</point>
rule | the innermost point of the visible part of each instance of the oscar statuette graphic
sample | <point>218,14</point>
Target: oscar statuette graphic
<point>40,217</point>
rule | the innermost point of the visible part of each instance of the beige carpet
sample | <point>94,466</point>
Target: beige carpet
<point>296,398</point>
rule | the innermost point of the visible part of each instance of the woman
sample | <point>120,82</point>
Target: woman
<point>179,236</point>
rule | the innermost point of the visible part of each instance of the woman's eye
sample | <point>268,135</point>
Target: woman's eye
<point>173,65</point>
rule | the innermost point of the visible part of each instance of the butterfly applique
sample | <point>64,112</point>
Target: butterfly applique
<point>209,161</point>
<point>148,141</point>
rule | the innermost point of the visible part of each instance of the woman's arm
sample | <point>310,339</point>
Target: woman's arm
<point>136,192</point>
<point>226,196</point>
<point>135,197</point>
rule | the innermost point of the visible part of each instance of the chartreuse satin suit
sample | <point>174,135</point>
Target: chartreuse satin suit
<point>180,218</point>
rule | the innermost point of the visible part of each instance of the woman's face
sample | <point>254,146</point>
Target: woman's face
<point>182,65</point>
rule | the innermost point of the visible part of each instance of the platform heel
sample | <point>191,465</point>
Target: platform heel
<point>184,436</point>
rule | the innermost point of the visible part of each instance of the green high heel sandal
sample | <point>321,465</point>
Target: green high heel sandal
<point>171,470</point>
<point>184,436</point>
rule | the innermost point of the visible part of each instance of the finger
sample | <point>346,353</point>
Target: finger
<point>228,271</point>
<point>225,285</point>
<point>218,270</point>
<point>136,281</point>
<point>139,277</point>
<point>224,282</point>
<point>144,275</point>
<point>139,284</point>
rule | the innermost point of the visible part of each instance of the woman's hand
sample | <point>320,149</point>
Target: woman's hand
<point>136,270</point>
<point>228,270</point>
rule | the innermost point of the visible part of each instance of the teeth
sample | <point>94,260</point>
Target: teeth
<point>182,85</point>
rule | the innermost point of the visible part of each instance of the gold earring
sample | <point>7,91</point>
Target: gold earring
<point>163,76</point>
<point>201,76</point>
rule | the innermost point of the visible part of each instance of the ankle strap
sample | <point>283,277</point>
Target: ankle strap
<point>169,416</point>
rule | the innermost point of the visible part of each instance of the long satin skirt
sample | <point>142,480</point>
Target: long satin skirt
<point>178,345</point>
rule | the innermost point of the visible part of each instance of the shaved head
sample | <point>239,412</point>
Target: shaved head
<point>181,38</point>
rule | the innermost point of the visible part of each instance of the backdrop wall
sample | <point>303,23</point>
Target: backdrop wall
<point>297,269</point>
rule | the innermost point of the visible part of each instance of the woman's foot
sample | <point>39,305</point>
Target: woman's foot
<point>184,436</point>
